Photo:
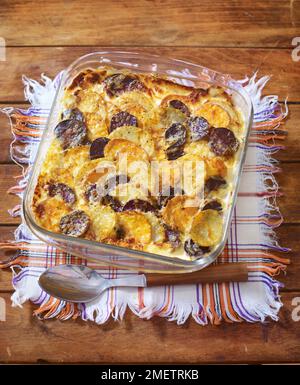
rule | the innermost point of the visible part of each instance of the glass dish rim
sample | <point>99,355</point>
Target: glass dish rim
<point>217,77</point>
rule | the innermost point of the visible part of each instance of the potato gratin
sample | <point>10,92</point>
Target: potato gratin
<point>120,134</point>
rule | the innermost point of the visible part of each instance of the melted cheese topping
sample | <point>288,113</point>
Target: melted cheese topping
<point>141,145</point>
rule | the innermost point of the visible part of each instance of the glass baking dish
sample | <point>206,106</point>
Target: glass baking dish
<point>181,72</point>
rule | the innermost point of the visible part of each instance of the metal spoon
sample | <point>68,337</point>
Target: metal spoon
<point>78,283</point>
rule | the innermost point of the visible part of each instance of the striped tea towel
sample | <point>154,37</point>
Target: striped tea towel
<point>251,237</point>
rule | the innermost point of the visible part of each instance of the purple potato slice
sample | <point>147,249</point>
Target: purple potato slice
<point>179,105</point>
<point>64,191</point>
<point>138,205</point>
<point>213,183</point>
<point>92,194</point>
<point>193,249</point>
<point>121,119</point>
<point>114,203</point>
<point>97,148</point>
<point>199,128</point>
<point>172,236</point>
<point>118,83</point>
<point>174,152</point>
<point>213,205</point>
<point>73,113</point>
<point>71,133</point>
<point>75,224</point>
<point>175,135</point>
<point>223,142</point>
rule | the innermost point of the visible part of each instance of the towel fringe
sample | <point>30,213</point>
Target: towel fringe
<point>204,306</point>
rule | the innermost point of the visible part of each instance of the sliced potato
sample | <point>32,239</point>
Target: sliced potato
<point>207,164</point>
<point>127,191</point>
<point>207,228</point>
<point>170,115</point>
<point>138,104</point>
<point>214,114</point>
<point>179,212</point>
<point>103,221</point>
<point>69,100</point>
<point>135,225</point>
<point>93,170</point>
<point>121,149</point>
<point>199,148</point>
<point>95,110</point>
<point>158,231</point>
<point>54,161</point>
<point>96,125</point>
<point>227,106</point>
<point>168,173</point>
<point>73,160</point>
<point>137,135</point>
<point>140,175</point>
<point>49,212</point>
<point>192,169</point>
<point>215,166</point>
<point>160,249</point>
<point>89,101</point>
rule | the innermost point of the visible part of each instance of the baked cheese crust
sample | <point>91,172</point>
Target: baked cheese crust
<point>86,189</point>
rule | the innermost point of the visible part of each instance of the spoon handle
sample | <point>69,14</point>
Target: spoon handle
<point>131,280</point>
<point>226,272</point>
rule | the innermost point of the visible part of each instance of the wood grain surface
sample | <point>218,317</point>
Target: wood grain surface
<point>235,61</point>
<point>269,23</point>
<point>235,37</point>
<point>142,341</point>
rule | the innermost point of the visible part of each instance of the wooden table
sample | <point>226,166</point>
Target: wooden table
<point>235,37</point>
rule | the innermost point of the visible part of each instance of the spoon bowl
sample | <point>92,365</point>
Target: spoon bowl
<point>78,283</point>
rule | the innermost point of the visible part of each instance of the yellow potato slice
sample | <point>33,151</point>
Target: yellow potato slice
<point>227,106</point>
<point>103,221</point>
<point>49,212</point>
<point>179,212</point>
<point>161,249</point>
<point>53,165</point>
<point>95,111</point>
<point>212,165</point>
<point>214,114</point>
<point>215,166</point>
<point>96,125</point>
<point>207,228</point>
<point>119,149</point>
<point>138,104</point>
<point>135,225</point>
<point>69,100</point>
<point>158,231</point>
<point>93,170</point>
<point>192,169</point>
<point>137,135</point>
<point>140,175</point>
<point>127,191</point>
<point>89,101</point>
<point>167,173</point>
<point>73,160</point>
